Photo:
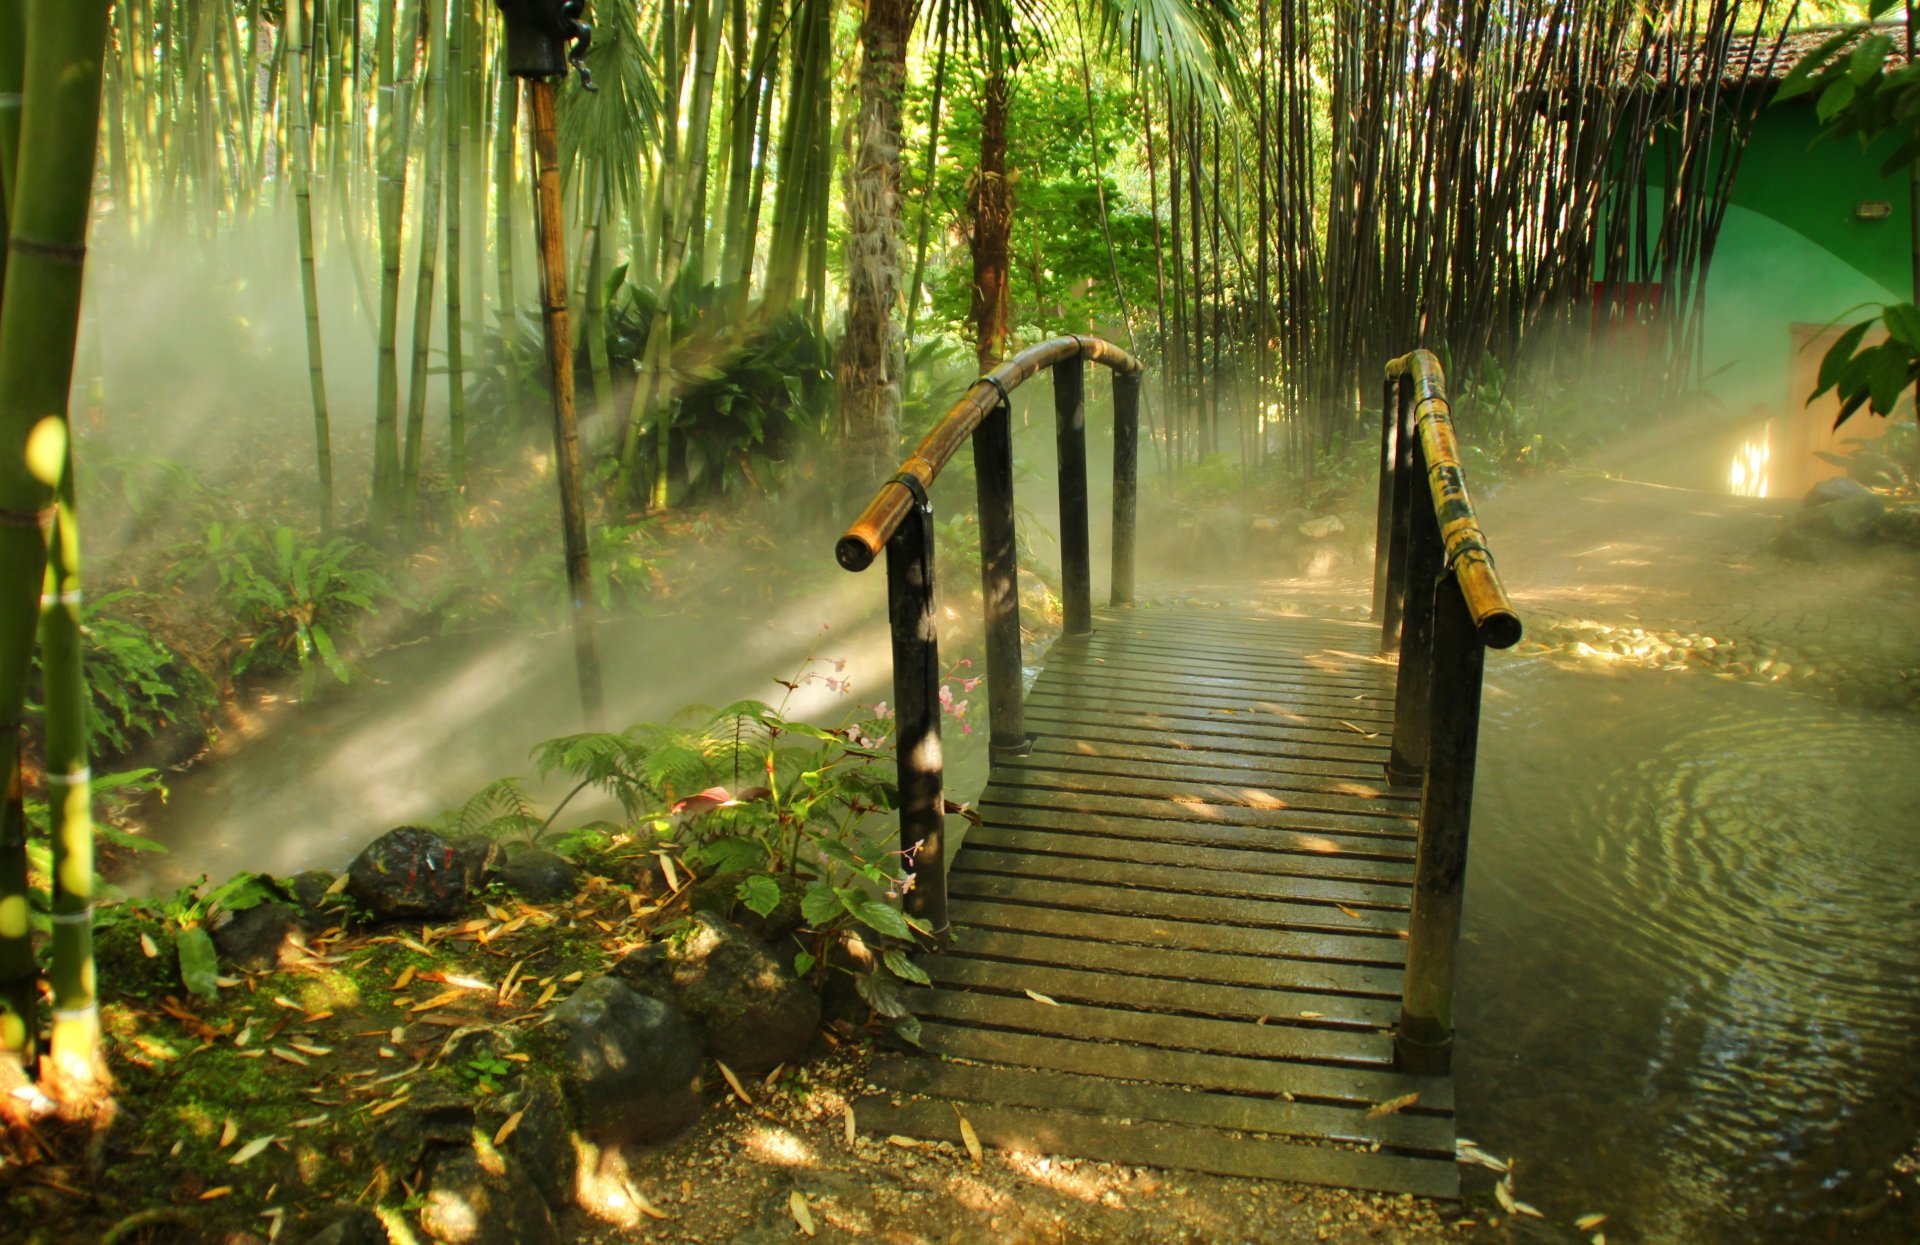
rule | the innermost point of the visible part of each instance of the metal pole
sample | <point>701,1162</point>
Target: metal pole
<point>1000,583</point>
<point>1425,555</point>
<point>1070,416</point>
<point>916,696</point>
<point>1393,607</point>
<point>1423,1040</point>
<point>551,237</point>
<point>1126,482</point>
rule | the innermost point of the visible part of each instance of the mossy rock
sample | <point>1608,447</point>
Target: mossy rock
<point>720,895</point>
<point>125,968</point>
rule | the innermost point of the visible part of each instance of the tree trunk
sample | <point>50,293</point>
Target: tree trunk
<point>990,205</point>
<point>869,365</point>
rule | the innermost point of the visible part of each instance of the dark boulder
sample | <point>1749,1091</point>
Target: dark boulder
<point>257,939</point>
<point>320,905</point>
<point>480,1197</point>
<point>542,1143</point>
<point>351,1225</point>
<point>630,1063</point>
<point>541,876</point>
<point>411,873</point>
<point>751,1012</point>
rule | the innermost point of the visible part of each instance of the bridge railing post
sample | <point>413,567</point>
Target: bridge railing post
<point>1398,487</point>
<point>1423,558</point>
<point>1076,558</point>
<point>999,582</point>
<point>916,698</point>
<point>1383,505</point>
<point>1126,473</point>
<point>1423,1038</point>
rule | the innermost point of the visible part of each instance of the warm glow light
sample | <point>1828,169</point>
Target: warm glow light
<point>1748,475</point>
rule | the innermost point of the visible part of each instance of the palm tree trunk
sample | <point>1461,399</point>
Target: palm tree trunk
<point>64,67</point>
<point>990,204</point>
<point>869,364</point>
<point>551,238</point>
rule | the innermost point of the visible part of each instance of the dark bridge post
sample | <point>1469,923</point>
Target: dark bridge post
<point>1076,560</point>
<point>916,695</point>
<point>999,582</point>
<point>1422,554</point>
<point>1126,475</point>
<point>1423,1040</point>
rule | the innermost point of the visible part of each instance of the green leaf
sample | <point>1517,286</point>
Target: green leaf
<point>821,906</point>
<point>908,1028</point>
<point>243,891</point>
<point>760,893</point>
<point>324,644</point>
<point>904,968</point>
<point>803,962</point>
<point>1833,364</point>
<point>1887,368</point>
<point>120,838</point>
<point>199,965</point>
<point>881,917</point>
<point>1903,323</point>
<point>883,994</point>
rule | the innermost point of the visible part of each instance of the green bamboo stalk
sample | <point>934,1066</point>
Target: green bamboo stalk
<point>503,166</point>
<point>19,995</point>
<point>64,69</point>
<point>392,195</point>
<point>457,128</point>
<point>428,235</point>
<point>296,97</point>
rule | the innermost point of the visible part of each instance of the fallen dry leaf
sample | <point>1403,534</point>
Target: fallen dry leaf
<point>147,946</point>
<point>506,1130</point>
<point>1503,1194</point>
<point>405,978</point>
<point>228,1132</point>
<point>250,1150</point>
<point>1587,1223</point>
<point>438,1000</point>
<point>223,1191</point>
<point>339,884</point>
<point>851,1127</point>
<point>1392,1106</point>
<point>733,1083</point>
<point>797,1203</point>
<point>970,1139</point>
<point>281,1052</point>
<point>1038,997</point>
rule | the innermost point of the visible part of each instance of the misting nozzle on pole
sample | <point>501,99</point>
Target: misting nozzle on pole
<point>538,35</point>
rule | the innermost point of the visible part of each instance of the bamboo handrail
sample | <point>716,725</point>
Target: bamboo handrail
<point>869,533</point>
<point>899,520</point>
<point>1467,553</point>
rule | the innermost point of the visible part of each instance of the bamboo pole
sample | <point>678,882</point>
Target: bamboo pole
<point>303,229</point>
<point>61,109</point>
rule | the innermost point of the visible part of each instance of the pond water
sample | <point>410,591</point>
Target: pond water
<point>1690,978</point>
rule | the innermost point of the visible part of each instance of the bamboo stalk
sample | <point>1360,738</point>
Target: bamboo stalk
<point>303,231</point>
<point>64,72</point>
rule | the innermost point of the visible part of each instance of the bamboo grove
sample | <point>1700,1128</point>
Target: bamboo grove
<point>1285,192</point>
<point>1320,179</point>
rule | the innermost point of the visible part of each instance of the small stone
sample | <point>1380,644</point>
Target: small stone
<point>1835,489</point>
<point>257,939</point>
<point>630,1063</point>
<point>541,876</point>
<point>542,1144</point>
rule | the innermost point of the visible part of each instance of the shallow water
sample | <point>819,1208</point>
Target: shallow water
<point>1690,979</point>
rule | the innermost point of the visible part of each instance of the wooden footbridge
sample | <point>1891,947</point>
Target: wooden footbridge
<point>1207,918</point>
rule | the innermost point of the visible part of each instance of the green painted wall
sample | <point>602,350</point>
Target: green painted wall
<point>1791,250</point>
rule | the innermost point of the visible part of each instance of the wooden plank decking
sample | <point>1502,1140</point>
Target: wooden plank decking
<point>1180,927</point>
